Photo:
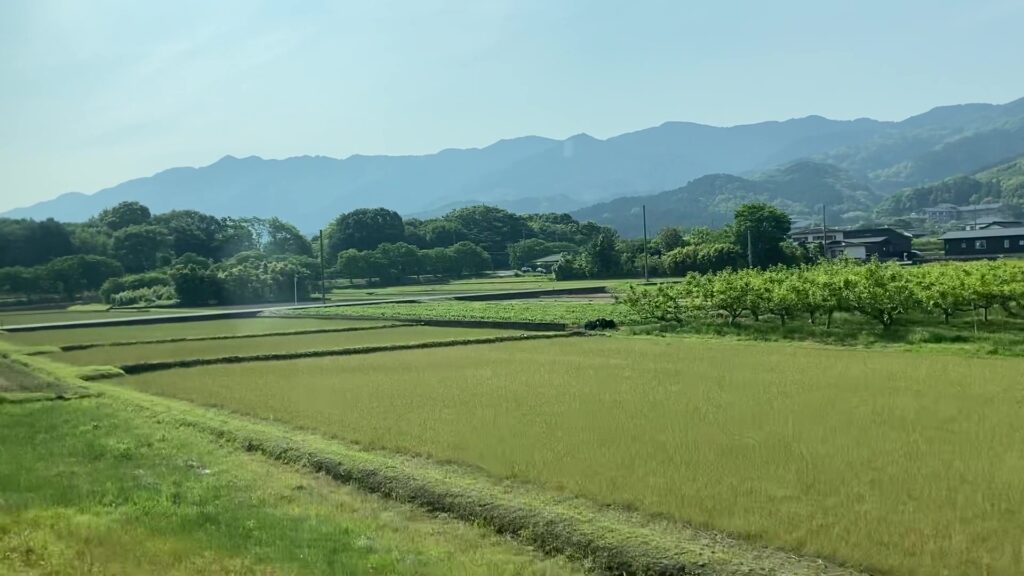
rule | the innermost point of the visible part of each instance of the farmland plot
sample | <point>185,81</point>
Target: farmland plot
<point>119,355</point>
<point>898,462</point>
<point>178,330</point>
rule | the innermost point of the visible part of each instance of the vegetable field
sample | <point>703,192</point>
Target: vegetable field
<point>892,461</point>
<point>541,310</point>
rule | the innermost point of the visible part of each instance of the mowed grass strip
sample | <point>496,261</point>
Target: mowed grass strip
<point>901,463</point>
<point>257,325</point>
<point>99,486</point>
<point>262,345</point>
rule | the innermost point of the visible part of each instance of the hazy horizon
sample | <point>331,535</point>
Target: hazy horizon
<point>110,91</point>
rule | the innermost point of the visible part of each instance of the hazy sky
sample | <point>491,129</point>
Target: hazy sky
<point>96,92</point>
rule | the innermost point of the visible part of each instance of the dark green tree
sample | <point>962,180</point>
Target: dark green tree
<point>123,215</point>
<point>767,227</point>
<point>363,229</point>
<point>139,248</point>
<point>82,273</point>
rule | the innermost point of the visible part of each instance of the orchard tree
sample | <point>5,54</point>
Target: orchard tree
<point>882,292</point>
<point>944,289</point>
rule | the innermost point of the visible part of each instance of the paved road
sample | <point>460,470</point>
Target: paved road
<point>246,312</point>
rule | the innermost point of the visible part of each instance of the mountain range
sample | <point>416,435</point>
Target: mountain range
<point>797,163</point>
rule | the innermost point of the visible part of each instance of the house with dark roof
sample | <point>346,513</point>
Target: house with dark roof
<point>860,244</point>
<point>993,222</point>
<point>983,243</point>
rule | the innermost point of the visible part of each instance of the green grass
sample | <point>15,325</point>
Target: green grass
<point>175,330</point>
<point>560,310</point>
<point>901,463</point>
<point>119,355</point>
<point>96,487</point>
<point>19,384</point>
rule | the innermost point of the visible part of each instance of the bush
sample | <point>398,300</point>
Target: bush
<point>133,282</point>
<point>144,296</point>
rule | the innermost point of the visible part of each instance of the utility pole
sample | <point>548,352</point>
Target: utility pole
<point>824,234</point>
<point>323,281</point>
<point>295,289</point>
<point>750,252</point>
<point>646,278</point>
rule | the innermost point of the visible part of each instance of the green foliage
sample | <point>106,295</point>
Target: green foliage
<point>123,215</point>
<point>702,258</point>
<point>668,239</point>
<point>133,282</point>
<point>141,247</point>
<point>31,243</point>
<point>762,228</point>
<point>363,229</point>
<point>525,251</point>
<point>81,273</point>
<point>881,292</point>
<point>490,228</point>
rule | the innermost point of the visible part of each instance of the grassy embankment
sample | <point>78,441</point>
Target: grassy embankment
<point>888,460</point>
<point>99,486</point>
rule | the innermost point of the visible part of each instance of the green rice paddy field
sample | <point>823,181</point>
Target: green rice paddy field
<point>898,462</point>
<point>177,330</point>
<point>119,355</point>
<point>15,318</point>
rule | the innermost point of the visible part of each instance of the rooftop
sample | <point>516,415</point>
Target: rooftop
<point>986,233</point>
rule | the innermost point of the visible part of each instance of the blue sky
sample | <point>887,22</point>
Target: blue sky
<point>96,92</point>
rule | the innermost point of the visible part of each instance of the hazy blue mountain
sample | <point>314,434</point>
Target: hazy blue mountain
<point>799,188</point>
<point>540,174</point>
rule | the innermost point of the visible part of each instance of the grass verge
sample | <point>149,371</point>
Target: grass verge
<point>98,486</point>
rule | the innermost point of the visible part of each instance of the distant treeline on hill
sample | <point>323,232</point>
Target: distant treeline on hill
<point>131,257</point>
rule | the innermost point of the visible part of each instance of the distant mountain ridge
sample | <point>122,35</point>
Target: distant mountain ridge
<point>534,173</point>
<point>798,188</point>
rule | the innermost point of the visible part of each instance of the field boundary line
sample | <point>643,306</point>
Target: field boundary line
<point>88,345</point>
<point>141,367</point>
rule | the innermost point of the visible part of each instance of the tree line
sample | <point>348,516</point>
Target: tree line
<point>881,292</point>
<point>199,258</point>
